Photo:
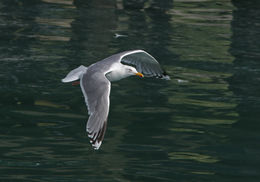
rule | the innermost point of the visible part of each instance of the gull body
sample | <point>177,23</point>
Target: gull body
<point>95,85</point>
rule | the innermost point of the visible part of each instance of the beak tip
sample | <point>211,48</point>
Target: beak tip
<point>139,74</point>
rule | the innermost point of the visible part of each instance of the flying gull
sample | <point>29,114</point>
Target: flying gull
<point>95,85</point>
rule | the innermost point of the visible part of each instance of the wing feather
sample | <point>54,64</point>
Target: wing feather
<point>96,90</point>
<point>144,63</point>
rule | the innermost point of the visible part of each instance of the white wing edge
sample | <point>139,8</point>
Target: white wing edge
<point>85,96</point>
<point>136,51</point>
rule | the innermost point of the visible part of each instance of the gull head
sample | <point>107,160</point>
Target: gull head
<point>130,71</point>
<point>121,71</point>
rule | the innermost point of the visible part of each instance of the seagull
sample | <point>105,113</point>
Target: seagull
<point>95,85</point>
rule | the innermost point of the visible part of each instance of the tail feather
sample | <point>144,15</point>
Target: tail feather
<point>75,74</point>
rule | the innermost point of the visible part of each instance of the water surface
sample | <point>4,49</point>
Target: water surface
<point>202,125</point>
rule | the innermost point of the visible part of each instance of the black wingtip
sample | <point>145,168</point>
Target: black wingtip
<point>165,75</point>
<point>97,138</point>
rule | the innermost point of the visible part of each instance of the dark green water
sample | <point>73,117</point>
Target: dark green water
<point>202,125</point>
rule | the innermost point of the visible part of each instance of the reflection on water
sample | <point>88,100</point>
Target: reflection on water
<point>49,104</point>
<point>200,125</point>
<point>39,114</point>
<point>192,156</point>
<point>62,2</point>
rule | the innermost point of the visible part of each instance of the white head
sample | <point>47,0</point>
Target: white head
<point>129,71</point>
<point>122,71</point>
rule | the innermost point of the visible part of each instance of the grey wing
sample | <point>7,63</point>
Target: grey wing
<point>96,90</point>
<point>144,63</point>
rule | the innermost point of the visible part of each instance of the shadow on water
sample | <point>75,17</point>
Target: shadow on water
<point>201,125</point>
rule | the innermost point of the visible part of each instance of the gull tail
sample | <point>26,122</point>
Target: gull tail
<point>75,74</point>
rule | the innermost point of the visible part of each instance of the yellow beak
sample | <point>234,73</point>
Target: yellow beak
<point>139,74</point>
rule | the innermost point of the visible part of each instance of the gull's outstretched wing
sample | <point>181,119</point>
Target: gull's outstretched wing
<point>144,63</point>
<point>96,90</point>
